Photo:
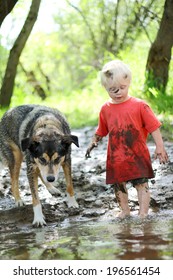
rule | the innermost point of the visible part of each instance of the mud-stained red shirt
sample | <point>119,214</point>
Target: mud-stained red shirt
<point>128,125</point>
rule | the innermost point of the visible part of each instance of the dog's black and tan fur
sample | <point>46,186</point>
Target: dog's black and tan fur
<point>42,135</point>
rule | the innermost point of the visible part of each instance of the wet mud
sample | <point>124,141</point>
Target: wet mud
<point>91,231</point>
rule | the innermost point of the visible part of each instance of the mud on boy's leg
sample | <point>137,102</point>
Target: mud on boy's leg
<point>121,195</point>
<point>143,199</point>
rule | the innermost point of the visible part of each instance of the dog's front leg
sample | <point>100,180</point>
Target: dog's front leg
<point>14,167</point>
<point>37,208</point>
<point>71,201</point>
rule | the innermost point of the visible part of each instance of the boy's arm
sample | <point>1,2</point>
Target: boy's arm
<point>93,144</point>
<point>160,151</point>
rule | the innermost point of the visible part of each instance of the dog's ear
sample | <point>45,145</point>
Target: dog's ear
<point>69,139</point>
<point>32,146</point>
<point>35,149</point>
<point>74,139</point>
<point>25,143</point>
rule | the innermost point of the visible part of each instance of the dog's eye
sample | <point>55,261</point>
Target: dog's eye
<point>42,160</point>
<point>57,160</point>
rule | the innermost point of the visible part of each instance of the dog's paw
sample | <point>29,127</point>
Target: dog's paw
<point>38,223</point>
<point>38,216</point>
<point>19,203</point>
<point>54,190</point>
<point>71,201</point>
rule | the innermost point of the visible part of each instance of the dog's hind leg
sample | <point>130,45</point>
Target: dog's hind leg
<point>14,166</point>
<point>71,201</point>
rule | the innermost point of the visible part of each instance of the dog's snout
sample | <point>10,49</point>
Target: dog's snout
<point>50,178</point>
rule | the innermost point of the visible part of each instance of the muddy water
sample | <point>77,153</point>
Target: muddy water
<point>94,239</point>
<point>92,231</point>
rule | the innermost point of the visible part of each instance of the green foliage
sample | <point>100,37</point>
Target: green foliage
<point>161,99</point>
<point>80,107</point>
<point>66,62</point>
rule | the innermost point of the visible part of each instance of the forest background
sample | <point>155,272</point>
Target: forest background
<point>70,42</point>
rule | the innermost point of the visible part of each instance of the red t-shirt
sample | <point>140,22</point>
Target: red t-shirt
<point>128,125</point>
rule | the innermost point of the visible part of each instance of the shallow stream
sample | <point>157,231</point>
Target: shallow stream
<point>92,231</point>
<point>86,239</point>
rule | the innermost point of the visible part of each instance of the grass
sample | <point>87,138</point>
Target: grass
<point>81,108</point>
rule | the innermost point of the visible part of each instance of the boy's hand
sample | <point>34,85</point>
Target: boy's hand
<point>93,144</point>
<point>90,148</point>
<point>160,151</point>
<point>162,155</point>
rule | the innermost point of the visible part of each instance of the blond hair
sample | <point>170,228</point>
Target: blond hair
<point>114,73</point>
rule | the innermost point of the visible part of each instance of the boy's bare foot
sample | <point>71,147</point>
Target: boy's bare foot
<point>123,214</point>
<point>143,216</point>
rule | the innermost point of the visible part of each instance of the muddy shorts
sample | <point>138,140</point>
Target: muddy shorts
<point>138,181</point>
<point>134,182</point>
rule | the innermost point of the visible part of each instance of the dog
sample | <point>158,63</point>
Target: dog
<point>41,135</point>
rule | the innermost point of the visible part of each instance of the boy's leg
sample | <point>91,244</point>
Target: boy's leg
<point>121,195</point>
<point>143,199</point>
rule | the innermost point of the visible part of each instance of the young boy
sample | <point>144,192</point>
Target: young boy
<point>128,121</point>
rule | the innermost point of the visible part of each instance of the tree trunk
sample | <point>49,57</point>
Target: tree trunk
<point>160,52</point>
<point>32,80</point>
<point>13,60</point>
<point>6,7</point>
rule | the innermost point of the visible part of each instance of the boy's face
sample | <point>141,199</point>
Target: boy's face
<point>118,94</point>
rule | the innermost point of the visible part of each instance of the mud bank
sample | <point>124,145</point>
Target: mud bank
<point>91,231</point>
<point>96,199</point>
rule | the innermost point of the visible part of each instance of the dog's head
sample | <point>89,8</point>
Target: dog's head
<point>49,153</point>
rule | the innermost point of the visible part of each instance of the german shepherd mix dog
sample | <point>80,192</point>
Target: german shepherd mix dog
<point>43,136</point>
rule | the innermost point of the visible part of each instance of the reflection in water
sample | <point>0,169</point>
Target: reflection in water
<point>94,239</point>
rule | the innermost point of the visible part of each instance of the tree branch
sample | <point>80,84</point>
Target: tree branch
<point>86,22</point>
<point>6,7</point>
